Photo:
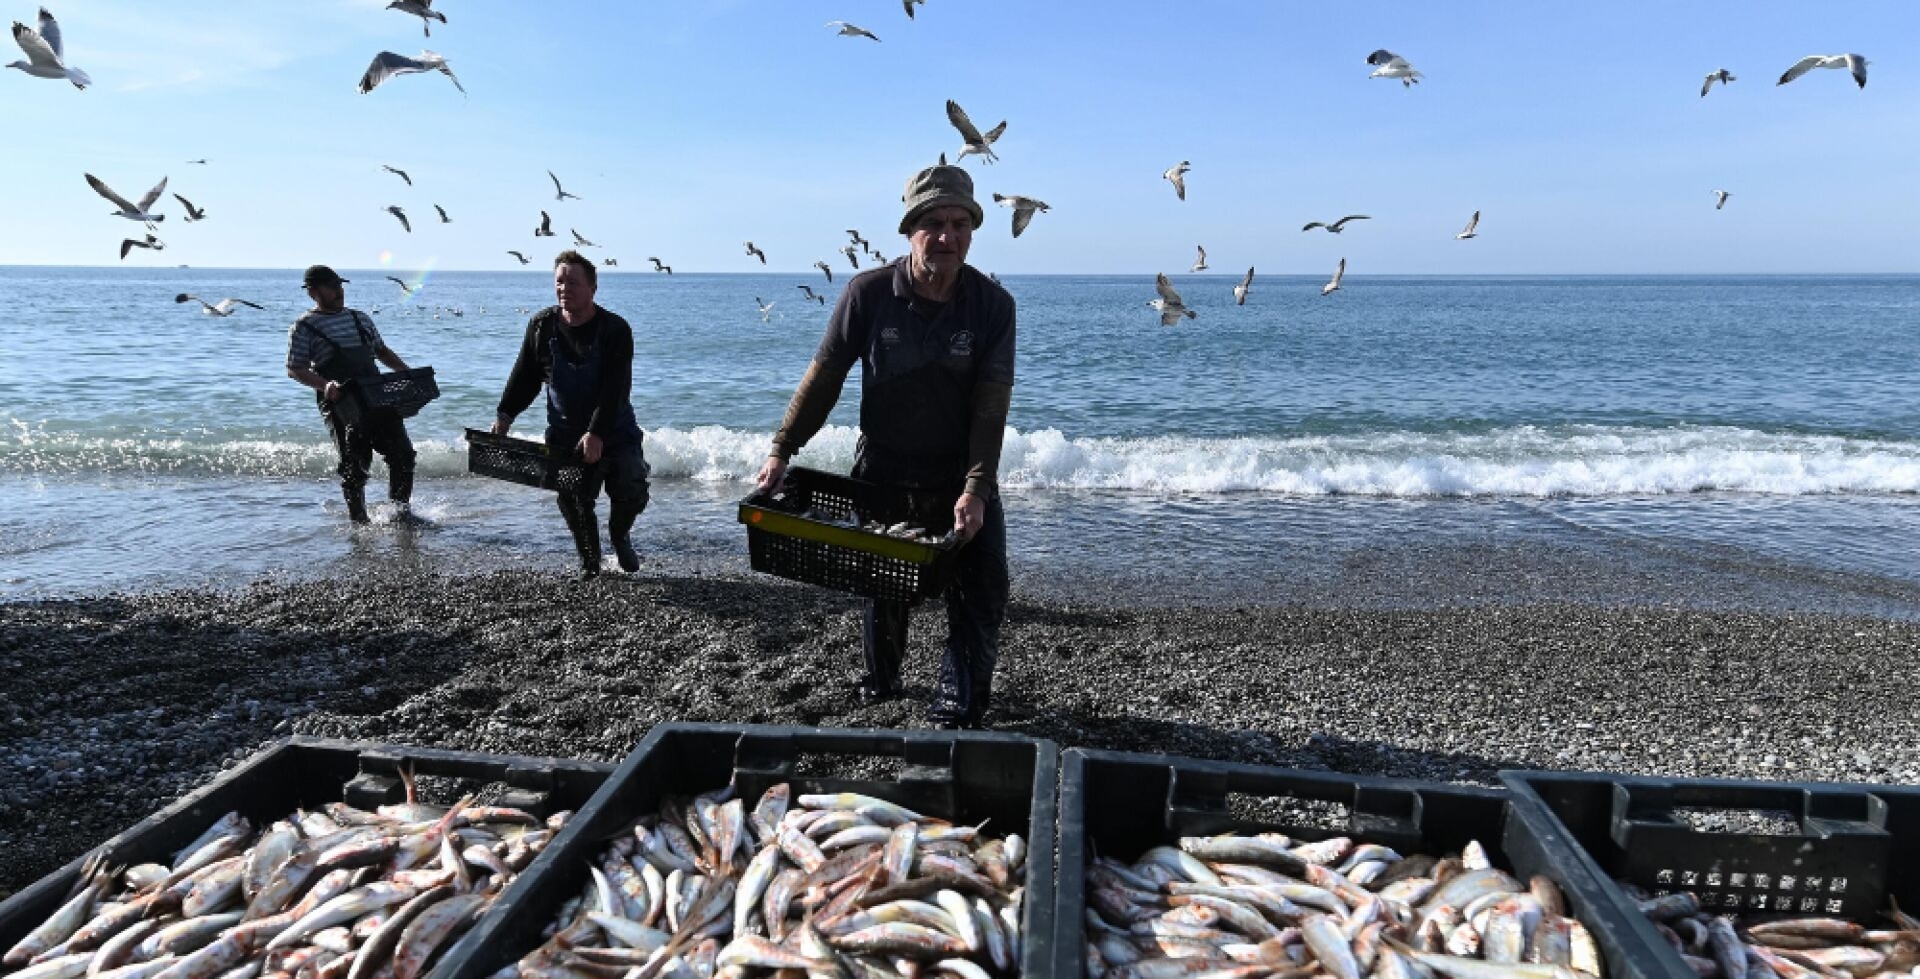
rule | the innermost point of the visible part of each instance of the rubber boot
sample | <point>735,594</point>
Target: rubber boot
<point>620,527</point>
<point>586,533</point>
<point>356,503</point>
<point>400,491</point>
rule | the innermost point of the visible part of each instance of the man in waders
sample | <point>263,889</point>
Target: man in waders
<point>584,357</point>
<point>935,341</point>
<point>328,346</point>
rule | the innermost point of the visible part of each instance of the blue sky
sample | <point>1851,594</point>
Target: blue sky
<point>1577,130</point>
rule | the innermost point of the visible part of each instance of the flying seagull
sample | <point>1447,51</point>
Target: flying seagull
<point>1851,62</point>
<point>1338,274</point>
<point>1178,174</point>
<point>523,259</point>
<point>1169,304</point>
<point>807,290</point>
<point>405,290</point>
<point>394,209</point>
<point>1722,76</point>
<point>46,55</point>
<point>545,230</point>
<point>560,193</point>
<point>142,213</point>
<point>193,213</point>
<point>659,266</point>
<point>1390,65</point>
<point>129,244</point>
<point>580,240</point>
<point>224,307</point>
<point>1720,199</point>
<point>853,256</point>
<point>386,64</point>
<point>402,174</point>
<point>878,259</point>
<point>849,30</point>
<point>1200,264</point>
<point>422,9</point>
<point>766,309</point>
<point>1240,291</point>
<point>1472,223</point>
<point>909,5</point>
<point>753,249</point>
<point>824,267</point>
<point>612,263</point>
<point>977,144</point>
<point>1337,226</point>
<point>202,162</point>
<point>443,214</point>
<point>1023,208</point>
<point>865,245</point>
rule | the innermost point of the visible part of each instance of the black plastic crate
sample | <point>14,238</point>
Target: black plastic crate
<point>309,772</point>
<point>403,393</point>
<point>522,461</point>
<point>782,541</point>
<point>1121,805</point>
<point>1847,850</point>
<point>967,777</point>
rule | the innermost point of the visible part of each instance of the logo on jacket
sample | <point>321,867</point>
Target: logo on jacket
<point>889,335</point>
<point>961,345</point>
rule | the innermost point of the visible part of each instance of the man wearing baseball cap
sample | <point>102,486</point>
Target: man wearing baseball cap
<point>328,346</point>
<point>935,341</point>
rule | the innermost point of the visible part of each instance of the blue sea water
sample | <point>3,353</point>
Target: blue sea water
<point>1763,424</point>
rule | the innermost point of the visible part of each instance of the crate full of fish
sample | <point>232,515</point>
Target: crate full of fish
<point>1746,879</point>
<point>850,535</point>
<point>312,860</point>
<point>400,393</point>
<point>742,851</point>
<point>1175,868</point>
<point>522,461</point>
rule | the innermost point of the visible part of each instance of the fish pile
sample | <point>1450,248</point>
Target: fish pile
<point>903,530</point>
<point>1247,907</point>
<point>337,894</point>
<point>1790,948</point>
<point>830,887</point>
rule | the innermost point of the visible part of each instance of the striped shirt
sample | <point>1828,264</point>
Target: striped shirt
<point>307,341</point>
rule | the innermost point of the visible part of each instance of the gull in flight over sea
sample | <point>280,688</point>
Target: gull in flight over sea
<point>422,9</point>
<point>193,213</point>
<point>824,267</point>
<point>580,240</point>
<point>1178,174</point>
<point>1722,76</point>
<point>406,291</point>
<point>614,263</point>
<point>1472,223</point>
<point>402,174</point>
<point>202,162</point>
<point>130,244</point>
<point>766,310</point>
<point>807,291</point>
<point>878,259</point>
<point>224,307</point>
<point>1200,264</point>
<point>559,192</point>
<point>849,30</point>
<point>1240,291</point>
<point>143,212</point>
<point>909,5</point>
<point>865,245</point>
<point>1720,199</point>
<point>976,143</point>
<point>1390,65</point>
<point>1169,304</point>
<point>394,209</point>
<point>659,266</point>
<point>46,53</point>
<point>753,249</point>
<point>545,230</point>
<point>386,64</point>
<point>1851,62</point>
<point>1334,284</point>
<point>853,256</point>
<point>523,259</point>
<point>1337,226</point>
<point>443,214</point>
<point>1023,210</point>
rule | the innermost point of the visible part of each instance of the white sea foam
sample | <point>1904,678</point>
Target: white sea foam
<point>1523,461</point>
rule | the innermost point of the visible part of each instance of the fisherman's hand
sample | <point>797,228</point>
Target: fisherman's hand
<point>590,448</point>
<point>500,426</point>
<point>969,515</point>
<point>331,391</point>
<point>772,472</point>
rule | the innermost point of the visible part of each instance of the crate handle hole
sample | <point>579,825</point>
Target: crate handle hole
<point>1290,811</point>
<point>848,765</point>
<point>1738,821</point>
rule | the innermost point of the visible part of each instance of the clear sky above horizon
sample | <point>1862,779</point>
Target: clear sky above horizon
<point>1578,132</point>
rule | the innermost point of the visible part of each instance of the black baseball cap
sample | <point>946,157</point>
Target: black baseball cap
<point>320,275</point>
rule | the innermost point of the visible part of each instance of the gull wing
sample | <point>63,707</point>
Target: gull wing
<point>39,52</point>
<point>396,171</point>
<point>443,214</point>
<point>1022,216</point>
<point>1708,85</point>
<point>185,203</point>
<point>1383,56</point>
<point>402,215</point>
<point>1314,224</point>
<point>958,117</point>
<point>1855,64</point>
<point>50,32</point>
<point>1179,184</point>
<point>1338,274</point>
<point>243,302</point>
<point>1165,288</point>
<point>1240,291</point>
<point>994,133</point>
<point>546,223</point>
<point>1801,67</point>
<point>1337,225</point>
<point>1203,255</point>
<point>1171,315</point>
<point>387,64</point>
<point>909,5</point>
<point>556,183</point>
<point>147,202</point>
<point>455,79</point>
<point>126,245</point>
<point>107,192</point>
<point>1472,223</point>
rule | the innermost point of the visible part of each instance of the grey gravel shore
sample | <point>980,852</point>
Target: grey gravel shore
<point>117,705</point>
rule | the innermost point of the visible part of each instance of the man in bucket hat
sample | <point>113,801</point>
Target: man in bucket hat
<point>935,341</point>
<point>328,346</point>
